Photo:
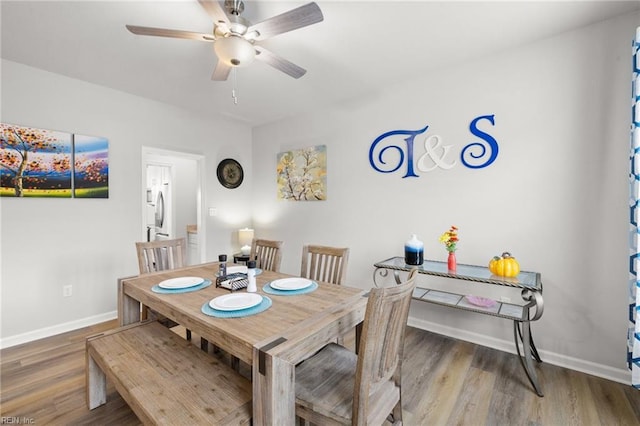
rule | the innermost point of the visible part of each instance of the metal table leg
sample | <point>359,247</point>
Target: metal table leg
<point>529,352</point>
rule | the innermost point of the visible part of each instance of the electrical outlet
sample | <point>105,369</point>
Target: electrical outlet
<point>67,290</point>
<point>213,211</point>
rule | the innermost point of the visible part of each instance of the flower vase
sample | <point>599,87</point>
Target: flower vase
<point>451,261</point>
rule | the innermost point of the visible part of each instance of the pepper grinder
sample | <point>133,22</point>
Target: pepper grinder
<point>222,272</point>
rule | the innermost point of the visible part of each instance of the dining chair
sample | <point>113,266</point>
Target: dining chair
<point>336,386</point>
<point>161,255</point>
<point>267,254</point>
<point>326,264</point>
<point>323,263</point>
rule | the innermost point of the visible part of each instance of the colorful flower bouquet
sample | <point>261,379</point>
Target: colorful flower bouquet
<point>450,239</point>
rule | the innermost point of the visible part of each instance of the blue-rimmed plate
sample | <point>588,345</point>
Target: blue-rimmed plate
<point>267,289</point>
<point>235,301</point>
<point>261,307</point>
<point>180,282</point>
<point>290,284</point>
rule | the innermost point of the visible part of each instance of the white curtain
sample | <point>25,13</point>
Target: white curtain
<point>633,351</point>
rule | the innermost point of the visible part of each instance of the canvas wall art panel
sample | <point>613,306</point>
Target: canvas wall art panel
<point>91,167</point>
<point>34,162</point>
<point>47,163</point>
<point>302,174</point>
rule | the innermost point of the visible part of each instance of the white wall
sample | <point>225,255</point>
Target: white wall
<point>556,197</point>
<point>49,243</point>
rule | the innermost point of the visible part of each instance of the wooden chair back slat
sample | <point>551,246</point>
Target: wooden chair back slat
<point>267,254</point>
<point>323,263</point>
<point>161,255</point>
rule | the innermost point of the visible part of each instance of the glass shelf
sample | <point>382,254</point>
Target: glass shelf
<point>525,279</point>
<point>459,301</point>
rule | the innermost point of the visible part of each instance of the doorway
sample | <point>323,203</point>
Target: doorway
<point>172,186</point>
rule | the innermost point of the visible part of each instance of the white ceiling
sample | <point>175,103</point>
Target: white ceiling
<point>359,47</point>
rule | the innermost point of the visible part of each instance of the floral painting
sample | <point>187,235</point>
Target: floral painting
<point>46,163</point>
<point>302,174</point>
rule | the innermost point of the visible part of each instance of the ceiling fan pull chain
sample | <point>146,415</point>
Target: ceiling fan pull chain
<point>233,89</point>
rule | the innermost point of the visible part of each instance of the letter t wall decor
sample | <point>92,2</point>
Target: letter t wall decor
<point>46,163</point>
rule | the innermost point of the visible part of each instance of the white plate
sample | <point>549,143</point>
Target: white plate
<point>235,301</point>
<point>236,269</point>
<point>180,282</point>
<point>291,283</point>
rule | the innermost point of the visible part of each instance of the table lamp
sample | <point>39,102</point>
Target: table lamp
<point>245,238</point>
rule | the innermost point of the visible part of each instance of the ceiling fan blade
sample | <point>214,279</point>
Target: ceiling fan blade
<point>279,63</point>
<point>215,11</point>
<point>292,20</point>
<point>221,71</point>
<point>163,32</point>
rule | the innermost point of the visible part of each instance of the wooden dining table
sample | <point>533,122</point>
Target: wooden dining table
<point>272,341</point>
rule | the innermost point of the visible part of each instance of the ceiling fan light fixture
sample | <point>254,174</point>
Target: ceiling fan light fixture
<point>234,51</point>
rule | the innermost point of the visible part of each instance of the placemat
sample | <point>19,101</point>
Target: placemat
<point>270,290</point>
<point>157,289</point>
<point>263,306</point>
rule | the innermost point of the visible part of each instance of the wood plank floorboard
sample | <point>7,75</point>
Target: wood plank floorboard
<point>445,382</point>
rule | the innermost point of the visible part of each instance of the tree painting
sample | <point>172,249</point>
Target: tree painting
<point>302,174</point>
<point>34,162</point>
<point>91,167</point>
<point>45,163</point>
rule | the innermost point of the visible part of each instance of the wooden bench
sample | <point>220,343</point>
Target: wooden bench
<point>164,378</point>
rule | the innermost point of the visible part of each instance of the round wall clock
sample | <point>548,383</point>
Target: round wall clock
<point>230,173</point>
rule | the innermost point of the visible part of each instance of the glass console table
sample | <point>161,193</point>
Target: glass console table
<point>521,315</point>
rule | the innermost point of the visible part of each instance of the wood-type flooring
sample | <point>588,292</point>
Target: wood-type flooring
<point>445,382</point>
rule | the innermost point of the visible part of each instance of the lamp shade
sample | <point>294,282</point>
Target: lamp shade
<point>245,237</point>
<point>234,51</point>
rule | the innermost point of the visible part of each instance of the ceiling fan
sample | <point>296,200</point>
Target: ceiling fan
<point>235,39</point>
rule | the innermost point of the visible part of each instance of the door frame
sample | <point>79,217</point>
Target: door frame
<point>148,151</point>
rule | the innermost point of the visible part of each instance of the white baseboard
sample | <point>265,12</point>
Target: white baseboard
<point>588,367</point>
<point>56,329</point>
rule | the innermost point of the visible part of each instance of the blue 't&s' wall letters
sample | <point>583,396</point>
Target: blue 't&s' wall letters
<point>476,155</point>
